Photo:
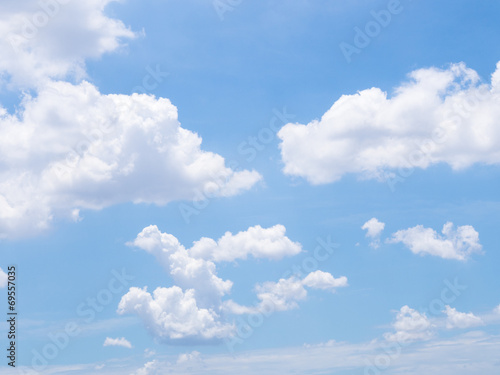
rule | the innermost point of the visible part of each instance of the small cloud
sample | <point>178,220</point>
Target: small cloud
<point>324,280</point>
<point>149,353</point>
<point>3,279</point>
<point>117,342</point>
<point>374,229</point>
<point>75,215</point>
<point>189,357</point>
<point>327,344</point>
<point>149,368</point>
<point>462,320</point>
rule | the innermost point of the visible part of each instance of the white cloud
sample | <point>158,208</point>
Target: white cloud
<point>74,148</point>
<point>3,279</point>
<point>194,269</point>
<point>458,319</point>
<point>497,309</point>
<point>270,243</point>
<point>171,314</point>
<point>198,287</point>
<point>282,295</point>
<point>374,229</point>
<point>439,116</point>
<point>410,325</point>
<point>43,40</point>
<point>324,280</point>
<point>452,244</point>
<point>286,293</point>
<point>149,368</point>
<point>194,356</point>
<point>273,296</point>
<point>478,349</point>
<point>193,308</point>
<point>69,147</point>
<point>117,342</point>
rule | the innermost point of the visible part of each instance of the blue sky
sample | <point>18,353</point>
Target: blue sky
<point>170,171</point>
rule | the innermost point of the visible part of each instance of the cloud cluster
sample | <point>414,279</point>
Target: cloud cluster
<point>51,39</point>
<point>193,309</point>
<point>194,268</point>
<point>74,148</point>
<point>456,244</point>
<point>438,116</point>
<point>117,342</point>
<point>411,325</point>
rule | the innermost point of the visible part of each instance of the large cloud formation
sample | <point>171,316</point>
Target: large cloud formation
<point>68,147</point>
<point>438,116</point>
<point>72,147</point>
<point>193,308</point>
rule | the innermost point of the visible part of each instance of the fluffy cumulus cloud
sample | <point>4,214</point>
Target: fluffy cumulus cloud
<point>457,319</point>
<point>258,242</point>
<point>410,325</point>
<point>193,269</point>
<point>193,309</point>
<point>68,147</point>
<point>172,314</point>
<point>74,148</point>
<point>324,280</point>
<point>438,116</point>
<point>50,39</point>
<point>286,293</point>
<point>456,244</point>
<point>3,279</point>
<point>123,342</point>
<point>374,229</point>
<point>282,295</point>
